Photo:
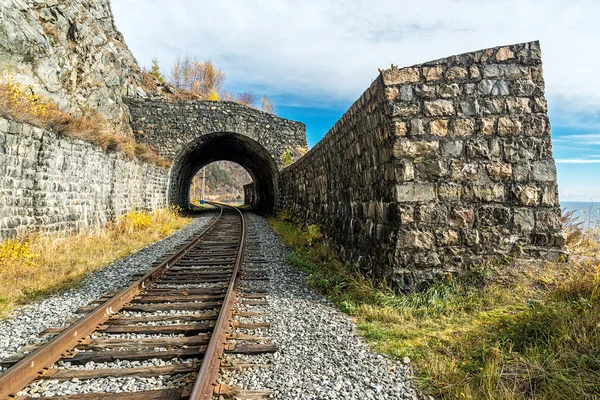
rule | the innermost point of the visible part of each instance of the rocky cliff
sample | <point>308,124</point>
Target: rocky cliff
<point>70,51</point>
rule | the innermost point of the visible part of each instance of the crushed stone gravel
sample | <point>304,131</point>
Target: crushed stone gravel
<point>24,324</point>
<point>320,356</point>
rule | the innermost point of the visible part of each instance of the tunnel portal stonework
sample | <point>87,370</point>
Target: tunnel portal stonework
<point>192,134</point>
<point>436,167</point>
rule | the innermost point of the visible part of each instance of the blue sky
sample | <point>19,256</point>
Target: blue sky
<point>315,57</point>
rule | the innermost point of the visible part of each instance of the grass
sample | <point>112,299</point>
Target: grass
<point>505,330</point>
<point>20,103</point>
<point>40,264</point>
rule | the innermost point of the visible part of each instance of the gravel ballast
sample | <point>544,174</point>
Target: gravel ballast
<point>23,325</point>
<point>320,354</point>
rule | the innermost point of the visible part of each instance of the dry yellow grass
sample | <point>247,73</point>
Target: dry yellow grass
<point>20,103</point>
<point>40,264</point>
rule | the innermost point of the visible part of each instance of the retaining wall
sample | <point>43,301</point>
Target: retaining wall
<point>55,183</point>
<point>437,167</point>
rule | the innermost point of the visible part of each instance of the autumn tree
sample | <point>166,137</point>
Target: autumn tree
<point>200,79</point>
<point>192,79</point>
<point>155,71</point>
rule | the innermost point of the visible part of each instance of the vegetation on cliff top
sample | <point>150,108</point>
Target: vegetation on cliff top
<point>19,102</point>
<point>505,330</point>
<point>192,79</point>
<point>39,264</point>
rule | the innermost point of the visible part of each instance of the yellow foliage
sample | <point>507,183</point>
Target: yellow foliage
<point>213,96</point>
<point>15,256</point>
<point>43,263</point>
<point>287,158</point>
<point>21,103</point>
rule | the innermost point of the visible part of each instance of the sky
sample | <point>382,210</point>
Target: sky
<point>314,58</point>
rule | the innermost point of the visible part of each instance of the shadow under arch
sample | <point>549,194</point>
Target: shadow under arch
<point>226,146</point>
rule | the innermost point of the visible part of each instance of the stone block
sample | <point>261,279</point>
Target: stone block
<point>439,108</point>
<point>415,192</point>
<point>494,215</point>
<point>547,220</point>
<point>537,126</point>
<point>471,237</point>
<point>469,108</point>
<point>431,169</point>
<point>487,127</point>
<point>400,128</point>
<point>529,195</point>
<point>407,214</point>
<point>499,171</point>
<point>449,192</point>
<point>405,93</point>
<point>456,73</point>
<point>474,72</point>
<point>433,73</point>
<point>488,193</point>
<point>524,219</point>
<point>405,172</point>
<point>425,91</point>
<point>504,53</point>
<point>439,127</point>
<point>417,127</point>
<point>464,126</point>
<point>462,217</point>
<point>506,71</point>
<point>493,105</point>
<point>414,239</point>
<point>544,171</point>
<point>509,126</point>
<point>447,237</point>
<point>404,109</point>
<point>518,105</point>
<point>400,76</point>
<point>493,87</point>
<point>451,90</point>
<point>452,149</point>
<point>540,105</point>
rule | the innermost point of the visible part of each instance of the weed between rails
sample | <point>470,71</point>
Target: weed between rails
<point>501,331</point>
<point>40,264</point>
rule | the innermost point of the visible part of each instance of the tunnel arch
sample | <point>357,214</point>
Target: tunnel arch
<point>228,146</point>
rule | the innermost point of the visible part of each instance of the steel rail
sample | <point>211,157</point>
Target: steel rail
<point>206,379</point>
<point>31,366</point>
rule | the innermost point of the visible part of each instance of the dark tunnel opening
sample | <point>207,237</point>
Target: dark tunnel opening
<point>227,146</point>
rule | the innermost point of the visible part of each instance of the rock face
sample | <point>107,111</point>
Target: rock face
<point>437,167</point>
<point>70,51</point>
<point>53,183</point>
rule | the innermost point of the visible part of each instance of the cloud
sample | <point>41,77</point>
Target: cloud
<point>590,139</point>
<point>577,161</point>
<point>325,53</point>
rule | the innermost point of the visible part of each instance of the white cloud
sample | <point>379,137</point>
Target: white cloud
<point>586,138</point>
<point>327,52</point>
<point>577,161</point>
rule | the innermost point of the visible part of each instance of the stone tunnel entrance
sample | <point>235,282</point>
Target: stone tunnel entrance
<point>227,146</point>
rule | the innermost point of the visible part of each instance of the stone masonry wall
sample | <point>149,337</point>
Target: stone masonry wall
<point>250,195</point>
<point>436,167</point>
<point>54,183</point>
<point>170,127</point>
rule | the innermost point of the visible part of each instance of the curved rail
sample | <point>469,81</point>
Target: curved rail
<point>206,379</point>
<point>26,370</point>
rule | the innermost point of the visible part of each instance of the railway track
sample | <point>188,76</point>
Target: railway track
<point>180,310</point>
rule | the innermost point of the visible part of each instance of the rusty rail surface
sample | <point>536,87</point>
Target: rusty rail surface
<point>205,382</point>
<point>31,366</point>
<point>185,303</point>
